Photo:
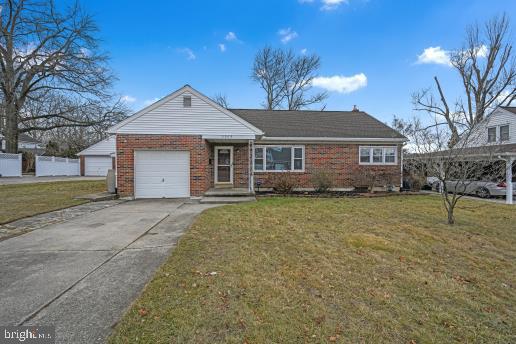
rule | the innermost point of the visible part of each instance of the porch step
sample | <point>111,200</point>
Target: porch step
<point>227,200</point>
<point>233,192</point>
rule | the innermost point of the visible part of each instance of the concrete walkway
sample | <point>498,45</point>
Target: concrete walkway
<point>81,275</point>
<point>34,179</point>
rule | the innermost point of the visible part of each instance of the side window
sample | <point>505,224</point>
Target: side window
<point>504,133</point>
<point>491,134</point>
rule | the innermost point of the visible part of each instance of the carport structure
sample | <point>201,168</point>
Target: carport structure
<point>506,153</point>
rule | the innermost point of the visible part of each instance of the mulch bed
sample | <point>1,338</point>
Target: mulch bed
<point>337,194</point>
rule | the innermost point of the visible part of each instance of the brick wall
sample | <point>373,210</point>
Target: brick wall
<point>200,176</point>
<point>340,161</point>
<point>82,165</point>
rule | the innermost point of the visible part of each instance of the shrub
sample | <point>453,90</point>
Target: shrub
<point>322,181</point>
<point>283,183</point>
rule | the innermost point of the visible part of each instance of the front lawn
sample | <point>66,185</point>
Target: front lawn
<point>291,270</point>
<point>22,200</point>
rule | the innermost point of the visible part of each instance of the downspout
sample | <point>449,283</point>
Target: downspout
<point>251,163</point>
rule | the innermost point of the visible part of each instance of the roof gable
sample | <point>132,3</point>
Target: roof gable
<point>168,116</point>
<point>104,147</point>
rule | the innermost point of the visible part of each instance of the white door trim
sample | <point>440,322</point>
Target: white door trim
<point>216,148</point>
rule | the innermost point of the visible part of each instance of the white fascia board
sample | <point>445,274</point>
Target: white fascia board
<point>336,139</point>
<point>229,137</point>
<point>186,88</point>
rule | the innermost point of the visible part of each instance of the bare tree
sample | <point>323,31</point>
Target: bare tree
<point>458,169</point>
<point>487,68</point>
<point>299,74</point>
<point>46,53</point>
<point>268,71</point>
<point>221,99</point>
<point>286,78</point>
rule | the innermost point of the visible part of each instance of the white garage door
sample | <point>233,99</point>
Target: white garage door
<point>159,174</point>
<point>97,165</point>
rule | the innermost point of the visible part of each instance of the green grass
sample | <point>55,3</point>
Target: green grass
<point>376,270</point>
<point>22,200</point>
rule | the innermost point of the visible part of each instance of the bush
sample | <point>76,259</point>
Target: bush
<point>322,181</point>
<point>283,183</point>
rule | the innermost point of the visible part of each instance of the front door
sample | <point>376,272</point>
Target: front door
<point>224,165</point>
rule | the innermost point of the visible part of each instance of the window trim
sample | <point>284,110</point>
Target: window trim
<point>292,158</point>
<point>495,136</point>
<point>396,153</point>
<point>508,132</point>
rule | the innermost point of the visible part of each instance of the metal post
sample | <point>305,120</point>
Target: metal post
<point>508,180</point>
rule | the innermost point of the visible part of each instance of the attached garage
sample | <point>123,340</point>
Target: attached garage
<point>161,174</point>
<point>97,165</point>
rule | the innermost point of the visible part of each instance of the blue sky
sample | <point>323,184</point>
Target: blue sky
<point>369,49</point>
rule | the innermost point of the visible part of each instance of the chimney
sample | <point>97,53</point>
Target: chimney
<point>355,108</point>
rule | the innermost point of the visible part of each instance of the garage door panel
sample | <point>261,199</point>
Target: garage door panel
<point>97,165</point>
<point>159,174</point>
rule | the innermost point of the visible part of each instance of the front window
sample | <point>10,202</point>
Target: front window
<point>377,155</point>
<point>491,134</point>
<point>278,158</point>
<point>504,133</point>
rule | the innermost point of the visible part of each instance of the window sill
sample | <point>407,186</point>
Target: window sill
<point>279,171</point>
<point>378,163</point>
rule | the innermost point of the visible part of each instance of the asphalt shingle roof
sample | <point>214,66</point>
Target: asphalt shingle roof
<point>308,123</point>
<point>509,108</point>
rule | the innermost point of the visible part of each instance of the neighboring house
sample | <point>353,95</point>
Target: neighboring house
<point>97,159</point>
<point>498,128</point>
<point>26,143</point>
<point>185,144</point>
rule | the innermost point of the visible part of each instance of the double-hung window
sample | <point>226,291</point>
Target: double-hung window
<point>504,133</point>
<point>373,155</point>
<point>491,134</point>
<point>279,158</point>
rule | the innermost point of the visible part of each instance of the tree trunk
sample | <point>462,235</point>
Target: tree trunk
<point>11,128</point>
<point>451,218</point>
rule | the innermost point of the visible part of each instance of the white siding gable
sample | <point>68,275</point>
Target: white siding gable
<point>104,147</point>
<point>499,117</point>
<point>169,116</point>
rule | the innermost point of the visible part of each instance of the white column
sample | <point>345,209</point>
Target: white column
<point>508,180</point>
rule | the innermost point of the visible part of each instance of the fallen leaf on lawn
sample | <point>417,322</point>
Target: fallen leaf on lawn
<point>143,312</point>
<point>402,259</point>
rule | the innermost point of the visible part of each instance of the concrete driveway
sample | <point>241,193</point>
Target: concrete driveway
<point>81,275</point>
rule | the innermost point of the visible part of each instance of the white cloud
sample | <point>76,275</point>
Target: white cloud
<point>340,83</point>
<point>222,47</point>
<point>231,36</point>
<point>188,53</point>
<point>304,51</point>
<point>286,35</point>
<point>128,99</point>
<point>435,55</point>
<point>482,51</point>
<point>329,5</point>
<point>150,101</point>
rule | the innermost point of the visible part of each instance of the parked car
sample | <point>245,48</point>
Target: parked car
<point>483,189</point>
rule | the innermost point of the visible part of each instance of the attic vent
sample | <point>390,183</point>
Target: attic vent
<point>187,101</point>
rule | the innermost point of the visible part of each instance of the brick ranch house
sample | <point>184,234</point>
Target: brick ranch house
<point>186,144</point>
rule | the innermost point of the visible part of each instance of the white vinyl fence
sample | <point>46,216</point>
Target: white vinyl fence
<point>54,166</point>
<point>10,165</point>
